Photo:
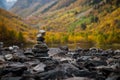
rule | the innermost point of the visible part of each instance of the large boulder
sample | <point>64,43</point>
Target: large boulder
<point>65,71</point>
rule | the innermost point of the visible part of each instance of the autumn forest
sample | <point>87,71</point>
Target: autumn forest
<point>65,21</point>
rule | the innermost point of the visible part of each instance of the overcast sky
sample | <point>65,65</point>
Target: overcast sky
<point>10,0</point>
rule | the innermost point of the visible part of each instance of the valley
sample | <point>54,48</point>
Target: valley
<point>13,30</point>
<point>72,21</point>
<point>59,39</point>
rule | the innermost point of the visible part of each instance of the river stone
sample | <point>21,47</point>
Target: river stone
<point>39,68</point>
<point>35,63</point>
<point>51,64</point>
<point>85,57</point>
<point>117,52</point>
<point>32,62</point>
<point>8,56</point>
<point>78,49</point>
<point>65,72</point>
<point>2,59</point>
<point>1,44</point>
<point>28,52</point>
<point>37,50</point>
<point>40,39</point>
<point>79,78</point>
<point>11,78</point>
<point>93,49</point>
<point>64,48</point>
<point>41,46</point>
<point>113,77</point>
<point>43,58</point>
<point>90,64</point>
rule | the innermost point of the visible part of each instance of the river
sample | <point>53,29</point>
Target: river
<point>86,45</point>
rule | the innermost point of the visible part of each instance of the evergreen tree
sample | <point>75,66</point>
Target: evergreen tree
<point>21,38</point>
<point>83,26</point>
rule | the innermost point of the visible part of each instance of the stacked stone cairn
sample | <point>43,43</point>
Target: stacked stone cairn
<point>1,46</point>
<point>40,49</point>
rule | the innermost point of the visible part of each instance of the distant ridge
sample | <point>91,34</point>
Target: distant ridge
<point>27,7</point>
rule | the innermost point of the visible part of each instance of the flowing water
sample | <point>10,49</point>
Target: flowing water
<point>86,45</point>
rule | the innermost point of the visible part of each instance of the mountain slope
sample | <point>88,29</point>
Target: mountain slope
<point>78,20</point>
<point>9,4</point>
<point>12,28</point>
<point>27,7</point>
<point>82,20</point>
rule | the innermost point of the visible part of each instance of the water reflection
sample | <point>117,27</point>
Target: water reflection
<point>86,46</point>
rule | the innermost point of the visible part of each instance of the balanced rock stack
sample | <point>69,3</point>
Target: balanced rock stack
<point>41,49</point>
<point>1,46</point>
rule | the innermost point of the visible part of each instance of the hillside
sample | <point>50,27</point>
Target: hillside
<point>75,21</point>
<point>13,30</point>
<point>27,7</point>
<point>82,20</point>
<point>38,6</point>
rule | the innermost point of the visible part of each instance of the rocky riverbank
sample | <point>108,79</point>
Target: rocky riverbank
<point>61,64</point>
<point>43,63</point>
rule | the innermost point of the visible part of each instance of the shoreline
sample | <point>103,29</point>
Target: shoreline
<point>61,63</point>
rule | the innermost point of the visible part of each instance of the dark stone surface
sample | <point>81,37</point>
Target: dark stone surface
<point>36,64</point>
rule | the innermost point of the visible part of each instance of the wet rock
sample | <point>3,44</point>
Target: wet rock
<point>66,60</point>
<point>11,78</point>
<point>85,57</point>
<point>80,64</point>
<point>14,70</point>
<point>41,46</point>
<point>27,78</point>
<point>113,76</point>
<point>40,36</point>
<point>2,59</point>
<point>51,64</point>
<point>20,57</point>
<point>29,53</point>
<point>64,48</point>
<point>6,49</point>
<point>32,63</point>
<point>40,49</point>
<point>64,71</point>
<point>59,63</point>
<point>60,55</point>
<point>53,51</point>
<point>8,56</point>
<point>79,78</point>
<point>1,45</point>
<point>41,55</point>
<point>93,49</point>
<point>52,75</point>
<point>78,49</point>
<point>116,66</point>
<point>76,55</point>
<point>39,68</point>
<point>90,64</point>
<point>117,52</point>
